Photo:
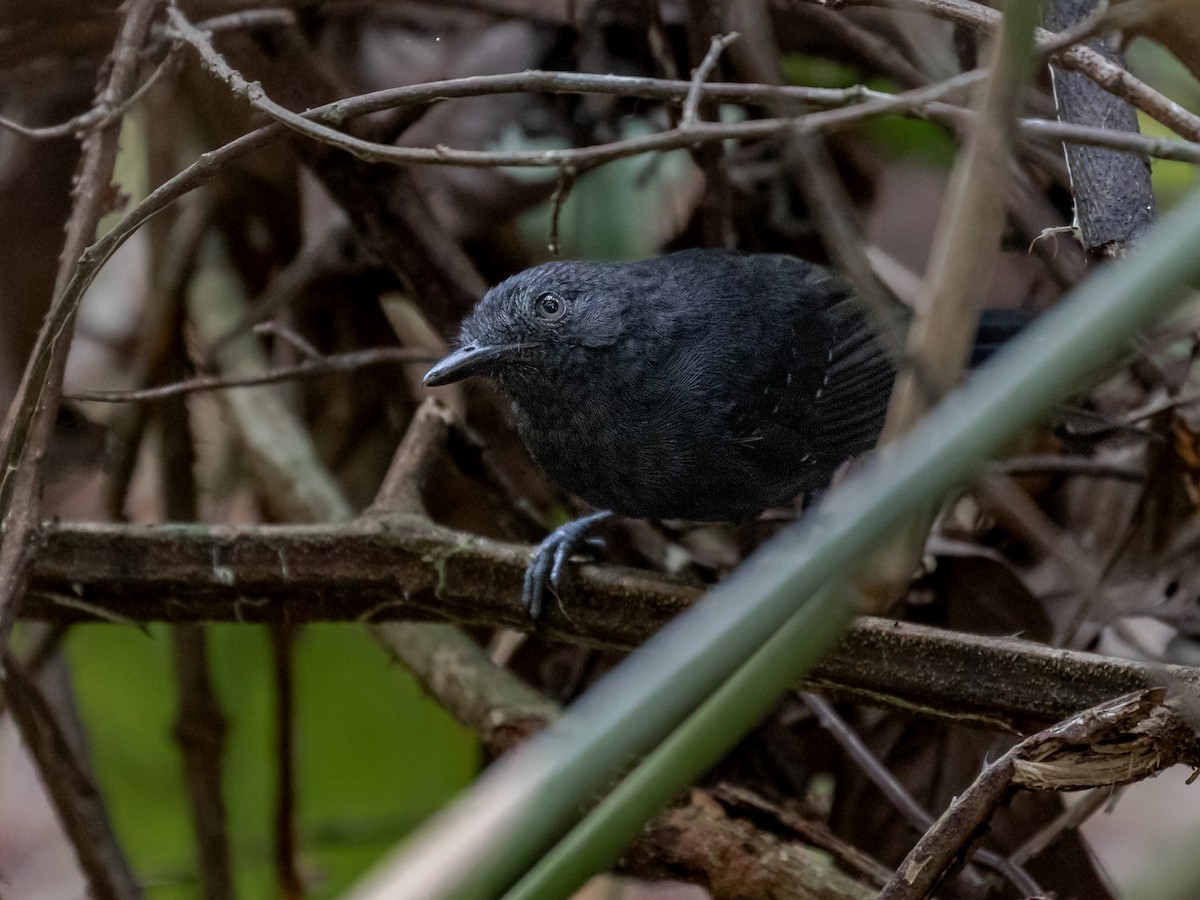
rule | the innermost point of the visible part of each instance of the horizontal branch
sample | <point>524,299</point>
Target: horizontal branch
<point>407,568</point>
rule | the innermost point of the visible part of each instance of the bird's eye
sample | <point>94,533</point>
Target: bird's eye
<point>550,306</point>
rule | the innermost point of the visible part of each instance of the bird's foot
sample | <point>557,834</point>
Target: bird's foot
<point>548,565</point>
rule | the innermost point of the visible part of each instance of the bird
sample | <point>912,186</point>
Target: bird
<point>704,385</point>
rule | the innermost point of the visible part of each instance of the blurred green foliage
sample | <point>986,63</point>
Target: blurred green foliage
<point>893,137</point>
<point>375,756</point>
<point>623,210</point>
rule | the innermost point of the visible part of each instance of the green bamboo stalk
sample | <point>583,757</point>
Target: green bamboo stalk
<point>692,749</point>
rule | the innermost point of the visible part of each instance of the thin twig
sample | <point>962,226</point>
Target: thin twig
<point>566,180</point>
<point>214,162</point>
<point>200,724</point>
<point>289,883</point>
<point>1116,742</point>
<point>46,641</point>
<point>160,358</point>
<point>1048,464</point>
<point>71,787</point>
<point>335,253</point>
<point>243,20</point>
<point>31,418</point>
<point>1017,506</point>
<point>290,337</point>
<point>643,88</point>
<point>1070,818</point>
<point>310,123</point>
<point>1141,415</point>
<point>691,103</point>
<point>900,798</point>
<point>815,833</point>
<point>1078,58</point>
<point>374,152</point>
<point>878,49</point>
<point>324,365</point>
<point>1105,17</point>
<point>200,729</point>
<point>95,117</point>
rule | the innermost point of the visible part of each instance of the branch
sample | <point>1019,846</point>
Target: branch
<point>1050,464</point>
<point>96,117</point>
<point>691,103</point>
<point>406,568</point>
<point>200,728</point>
<point>1117,742</point>
<point>402,487</point>
<point>690,134</point>
<point>213,163</point>
<point>31,417</point>
<point>1077,58</point>
<point>899,796</point>
<point>491,701</point>
<point>324,365</point>
<point>72,787</point>
<point>25,437</point>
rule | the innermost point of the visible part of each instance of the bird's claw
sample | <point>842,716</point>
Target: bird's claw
<point>548,566</point>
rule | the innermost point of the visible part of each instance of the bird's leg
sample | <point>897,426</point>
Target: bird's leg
<point>548,564</point>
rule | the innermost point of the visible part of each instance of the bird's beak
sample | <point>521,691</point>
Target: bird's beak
<point>467,361</point>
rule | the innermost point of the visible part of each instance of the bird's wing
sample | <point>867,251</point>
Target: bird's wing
<point>823,400</point>
<point>852,401</point>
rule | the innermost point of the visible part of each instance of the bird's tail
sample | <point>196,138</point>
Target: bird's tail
<point>996,328</point>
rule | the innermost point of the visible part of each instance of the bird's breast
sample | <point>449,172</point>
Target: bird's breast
<point>609,455</point>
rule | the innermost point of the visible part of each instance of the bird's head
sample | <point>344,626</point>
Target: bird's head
<point>535,322</point>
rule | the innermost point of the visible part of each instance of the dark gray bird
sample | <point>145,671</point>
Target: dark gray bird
<point>704,385</point>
